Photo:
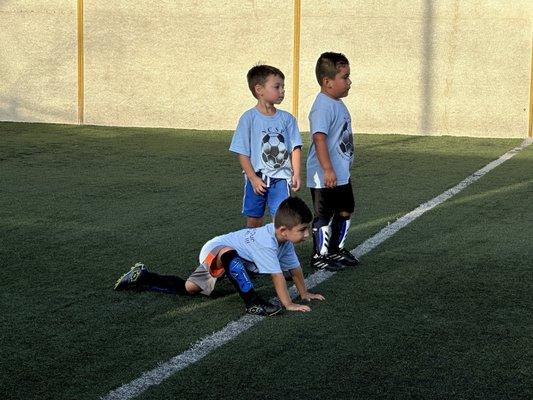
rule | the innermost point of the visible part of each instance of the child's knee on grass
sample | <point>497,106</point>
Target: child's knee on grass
<point>192,288</point>
<point>254,222</point>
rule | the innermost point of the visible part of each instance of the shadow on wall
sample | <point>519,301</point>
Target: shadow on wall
<point>19,110</point>
<point>9,110</point>
<point>426,100</point>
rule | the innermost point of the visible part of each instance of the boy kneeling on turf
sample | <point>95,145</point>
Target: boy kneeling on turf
<point>265,250</point>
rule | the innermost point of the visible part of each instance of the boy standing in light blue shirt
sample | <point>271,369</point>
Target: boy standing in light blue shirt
<point>328,164</point>
<point>268,144</point>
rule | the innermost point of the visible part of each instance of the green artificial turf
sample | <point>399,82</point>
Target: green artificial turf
<point>440,310</point>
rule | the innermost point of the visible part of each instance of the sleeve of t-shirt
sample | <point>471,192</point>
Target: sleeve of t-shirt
<point>288,258</point>
<point>319,120</point>
<point>294,133</point>
<point>240,143</point>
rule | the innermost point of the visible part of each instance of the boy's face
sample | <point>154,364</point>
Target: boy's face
<point>296,234</point>
<point>273,91</point>
<point>339,86</point>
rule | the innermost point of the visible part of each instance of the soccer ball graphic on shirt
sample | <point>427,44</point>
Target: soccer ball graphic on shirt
<point>274,151</point>
<point>346,142</point>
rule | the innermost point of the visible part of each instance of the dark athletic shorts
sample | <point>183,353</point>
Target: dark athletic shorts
<point>330,201</point>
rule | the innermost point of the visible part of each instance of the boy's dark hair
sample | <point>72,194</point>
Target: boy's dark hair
<point>259,74</point>
<point>328,64</point>
<point>291,212</point>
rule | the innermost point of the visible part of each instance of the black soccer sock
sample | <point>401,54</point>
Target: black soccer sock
<point>339,230</point>
<point>321,235</point>
<point>163,283</point>
<point>237,275</point>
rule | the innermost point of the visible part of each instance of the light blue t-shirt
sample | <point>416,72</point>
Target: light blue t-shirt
<point>268,141</point>
<point>332,118</point>
<point>258,246</point>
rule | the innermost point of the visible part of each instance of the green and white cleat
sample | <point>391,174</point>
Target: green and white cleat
<point>131,280</point>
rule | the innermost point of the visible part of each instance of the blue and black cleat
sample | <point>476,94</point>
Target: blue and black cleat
<point>132,280</point>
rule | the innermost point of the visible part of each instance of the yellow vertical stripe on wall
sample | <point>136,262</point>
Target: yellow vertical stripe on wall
<point>296,58</point>
<point>530,134</point>
<point>80,63</point>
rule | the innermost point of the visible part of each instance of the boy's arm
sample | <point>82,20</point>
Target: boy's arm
<point>296,156</point>
<point>283,294</point>
<point>257,183</point>
<point>299,281</point>
<point>322,153</point>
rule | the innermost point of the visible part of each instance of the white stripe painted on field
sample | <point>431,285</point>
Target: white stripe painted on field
<point>179,362</point>
<point>210,343</point>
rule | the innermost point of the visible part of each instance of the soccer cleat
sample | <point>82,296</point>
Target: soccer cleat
<point>345,257</point>
<point>131,280</point>
<point>325,262</point>
<point>263,308</point>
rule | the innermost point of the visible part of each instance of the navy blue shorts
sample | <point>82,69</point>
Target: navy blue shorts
<point>254,205</point>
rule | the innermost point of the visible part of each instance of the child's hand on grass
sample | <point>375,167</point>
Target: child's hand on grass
<point>297,307</point>
<point>312,296</point>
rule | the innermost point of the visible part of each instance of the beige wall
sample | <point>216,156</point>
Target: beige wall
<point>38,70</point>
<point>453,67</point>
<point>180,64</point>
<point>450,67</point>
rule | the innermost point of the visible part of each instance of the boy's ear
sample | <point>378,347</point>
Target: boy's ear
<point>283,229</point>
<point>257,89</point>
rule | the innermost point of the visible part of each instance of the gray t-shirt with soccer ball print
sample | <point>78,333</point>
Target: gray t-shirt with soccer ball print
<point>332,118</point>
<point>268,141</point>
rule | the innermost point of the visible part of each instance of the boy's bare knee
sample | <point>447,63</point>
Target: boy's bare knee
<point>192,288</point>
<point>253,222</point>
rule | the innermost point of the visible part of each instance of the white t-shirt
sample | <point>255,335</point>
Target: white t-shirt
<point>268,141</point>
<point>258,246</point>
<point>332,118</point>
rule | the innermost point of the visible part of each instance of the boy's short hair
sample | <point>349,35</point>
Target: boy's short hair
<point>291,212</point>
<point>259,74</point>
<point>328,65</point>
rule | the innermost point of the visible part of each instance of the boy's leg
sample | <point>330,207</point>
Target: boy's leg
<point>140,279</point>
<point>238,276</point>
<point>170,284</point>
<point>321,221</point>
<point>191,287</point>
<point>322,199</point>
<point>201,280</point>
<point>278,191</point>
<point>252,222</point>
<point>236,273</point>
<point>253,205</point>
<point>340,224</point>
<point>321,235</point>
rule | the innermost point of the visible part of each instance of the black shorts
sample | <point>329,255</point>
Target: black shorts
<point>332,201</point>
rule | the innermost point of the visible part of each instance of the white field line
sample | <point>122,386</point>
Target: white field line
<point>210,343</point>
